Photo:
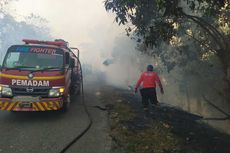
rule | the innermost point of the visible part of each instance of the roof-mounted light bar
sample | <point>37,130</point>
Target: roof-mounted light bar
<point>55,43</point>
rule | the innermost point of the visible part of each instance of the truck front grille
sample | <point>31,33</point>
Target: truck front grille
<point>36,91</point>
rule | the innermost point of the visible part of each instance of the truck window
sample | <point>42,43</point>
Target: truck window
<point>11,59</point>
<point>32,60</point>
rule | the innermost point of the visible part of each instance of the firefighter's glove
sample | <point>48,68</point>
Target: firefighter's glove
<point>162,91</point>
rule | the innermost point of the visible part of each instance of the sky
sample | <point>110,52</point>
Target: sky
<point>73,20</point>
<point>84,24</point>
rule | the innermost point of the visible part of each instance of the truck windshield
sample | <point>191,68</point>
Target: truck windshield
<point>32,61</point>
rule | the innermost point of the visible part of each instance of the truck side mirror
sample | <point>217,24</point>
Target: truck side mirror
<point>67,59</point>
<point>72,63</point>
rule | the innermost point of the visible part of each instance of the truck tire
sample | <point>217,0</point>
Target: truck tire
<point>75,90</point>
<point>79,90</point>
<point>66,104</point>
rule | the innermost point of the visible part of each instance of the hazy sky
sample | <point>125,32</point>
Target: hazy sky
<point>84,24</point>
<point>87,25</point>
<point>78,21</point>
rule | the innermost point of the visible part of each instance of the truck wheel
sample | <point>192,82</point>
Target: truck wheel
<point>79,90</point>
<point>66,104</point>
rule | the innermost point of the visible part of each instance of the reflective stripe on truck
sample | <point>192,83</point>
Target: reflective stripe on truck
<point>31,106</point>
<point>34,78</point>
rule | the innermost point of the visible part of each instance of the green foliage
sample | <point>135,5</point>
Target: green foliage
<point>154,21</point>
<point>153,15</point>
<point>160,31</point>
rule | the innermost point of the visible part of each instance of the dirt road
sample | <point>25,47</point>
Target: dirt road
<point>49,132</point>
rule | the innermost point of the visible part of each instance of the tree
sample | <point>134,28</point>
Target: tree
<point>205,23</point>
<point>12,31</point>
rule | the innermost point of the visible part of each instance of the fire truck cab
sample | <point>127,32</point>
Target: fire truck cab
<point>39,76</point>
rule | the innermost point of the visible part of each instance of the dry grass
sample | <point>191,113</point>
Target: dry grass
<point>172,131</point>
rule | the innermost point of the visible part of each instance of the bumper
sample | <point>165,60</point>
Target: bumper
<point>46,104</point>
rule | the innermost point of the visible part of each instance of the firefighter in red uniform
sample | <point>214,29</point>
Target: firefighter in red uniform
<point>149,79</point>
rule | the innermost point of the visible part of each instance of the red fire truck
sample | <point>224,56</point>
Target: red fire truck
<point>39,76</point>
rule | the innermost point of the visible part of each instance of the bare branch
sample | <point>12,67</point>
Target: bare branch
<point>218,41</point>
<point>201,43</point>
<point>213,29</point>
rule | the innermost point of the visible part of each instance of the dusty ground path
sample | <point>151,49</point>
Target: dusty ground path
<point>49,132</point>
<point>97,139</point>
<point>35,132</point>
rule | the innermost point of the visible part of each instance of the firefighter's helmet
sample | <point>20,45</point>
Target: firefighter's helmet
<point>149,68</point>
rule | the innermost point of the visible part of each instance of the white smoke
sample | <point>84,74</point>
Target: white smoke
<point>89,27</point>
<point>12,31</point>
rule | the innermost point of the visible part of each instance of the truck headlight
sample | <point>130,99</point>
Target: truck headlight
<point>6,91</point>
<point>56,91</point>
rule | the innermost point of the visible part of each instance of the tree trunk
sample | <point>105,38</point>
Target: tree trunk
<point>224,56</point>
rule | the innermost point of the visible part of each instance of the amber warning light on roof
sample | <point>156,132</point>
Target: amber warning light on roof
<point>55,43</point>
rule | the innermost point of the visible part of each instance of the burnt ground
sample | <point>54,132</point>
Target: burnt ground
<point>166,130</point>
